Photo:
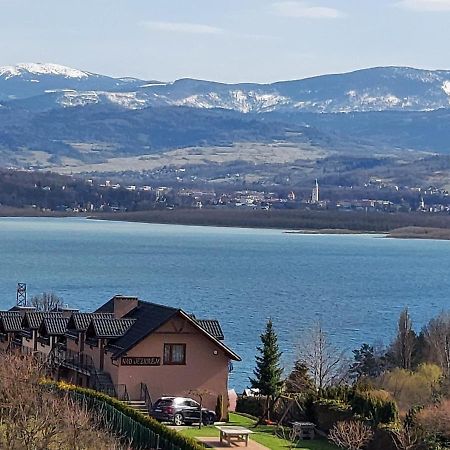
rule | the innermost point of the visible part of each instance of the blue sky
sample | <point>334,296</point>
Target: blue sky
<point>228,40</point>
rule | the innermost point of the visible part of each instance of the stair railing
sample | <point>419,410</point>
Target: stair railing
<point>122,392</point>
<point>145,396</point>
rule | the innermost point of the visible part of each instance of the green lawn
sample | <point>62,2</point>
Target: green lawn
<point>262,434</point>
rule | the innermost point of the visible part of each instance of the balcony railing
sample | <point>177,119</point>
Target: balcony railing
<point>75,360</point>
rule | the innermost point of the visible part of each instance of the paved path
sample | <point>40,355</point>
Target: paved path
<point>215,443</point>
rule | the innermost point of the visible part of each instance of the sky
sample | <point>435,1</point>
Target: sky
<point>226,40</point>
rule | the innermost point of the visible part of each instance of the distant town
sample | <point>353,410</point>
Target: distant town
<point>48,192</point>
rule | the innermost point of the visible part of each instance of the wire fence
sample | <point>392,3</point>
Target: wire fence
<point>135,434</point>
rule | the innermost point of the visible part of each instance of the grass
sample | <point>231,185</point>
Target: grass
<point>262,434</point>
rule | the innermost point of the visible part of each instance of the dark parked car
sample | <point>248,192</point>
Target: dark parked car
<point>180,410</point>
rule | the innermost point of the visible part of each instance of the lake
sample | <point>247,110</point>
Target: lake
<point>355,284</point>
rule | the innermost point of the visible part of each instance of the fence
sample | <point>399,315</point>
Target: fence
<point>137,435</point>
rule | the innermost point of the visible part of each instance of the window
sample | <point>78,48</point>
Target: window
<point>175,354</point>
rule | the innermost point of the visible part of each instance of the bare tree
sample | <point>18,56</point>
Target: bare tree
<point>326,365</point>
<point>47,301</point>
<point>437,337</point>
<point>402,348</point>
<point>407,438</point>
<point>352,435</point>
<point>200,394</point>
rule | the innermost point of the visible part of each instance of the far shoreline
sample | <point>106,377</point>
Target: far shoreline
<point>288,222</point>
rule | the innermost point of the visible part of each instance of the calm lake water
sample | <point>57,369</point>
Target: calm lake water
<point>355,284</point>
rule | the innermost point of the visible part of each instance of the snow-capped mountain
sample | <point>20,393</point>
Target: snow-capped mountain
<point>34,79</point>
<point>377,89</point>
<point>384,88</point>
<point>29,69</point>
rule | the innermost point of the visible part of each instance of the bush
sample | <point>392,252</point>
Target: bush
<point>412,388</point>
<point>250,405</point>
<point>220,413</point>
<point>185,443</point>
<point>341,393</point>
<point>435,420</point>
<point>377,406</point>
<point>351,435</point>
<point>328,412</point>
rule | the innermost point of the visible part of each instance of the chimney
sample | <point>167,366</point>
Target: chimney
<point>123,305</point>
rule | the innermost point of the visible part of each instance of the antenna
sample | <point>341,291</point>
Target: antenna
<point>21,296</point>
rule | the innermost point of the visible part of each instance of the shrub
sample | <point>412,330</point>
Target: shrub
<point>412,388</point>
<point>250,405</point>
<point>341,393</point>
<point>351,435</point>
<point>435,420</point>
<point>377,406</point>
<point>328,412</point>
<point>220,408</point>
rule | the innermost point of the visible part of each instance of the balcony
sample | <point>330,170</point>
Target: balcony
<point>76,361</point>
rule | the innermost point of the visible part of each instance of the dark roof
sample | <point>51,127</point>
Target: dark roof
<point>226,349</point>
<point>108,307</point>
<point>148,317</point>
<point>33,319</point>
<point>53,326</point>
<point>109,327</point>
<point>22,309</point>
<point>80,321</point>
<point>10,321</point>
<point>212,327</point>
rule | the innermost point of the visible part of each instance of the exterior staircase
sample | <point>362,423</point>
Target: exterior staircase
<point>144,404</point>
<point>103,383</point>
<point>138,405</point>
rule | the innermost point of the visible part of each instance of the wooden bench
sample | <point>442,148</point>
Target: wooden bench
<point>303,430</point>
<point>236,434</point>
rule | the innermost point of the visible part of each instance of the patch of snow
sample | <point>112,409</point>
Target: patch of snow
<point>52,91</point>
<point>41,69</point>
<point>195,101</point>
<point>71,99</point>
<point>446,87</point>
<point>153,84</point>
<point>128,100</point>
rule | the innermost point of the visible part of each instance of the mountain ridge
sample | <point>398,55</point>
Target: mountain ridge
<point>369,89</point>
<point>65,118</point>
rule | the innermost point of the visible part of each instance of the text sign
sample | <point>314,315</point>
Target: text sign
<point>141,361</point>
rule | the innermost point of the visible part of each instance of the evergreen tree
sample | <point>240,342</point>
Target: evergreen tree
<point>299,380</point>
<point>268,371</point>
<point>367,363</point>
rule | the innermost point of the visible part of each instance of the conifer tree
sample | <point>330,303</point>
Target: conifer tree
<point>268,371</point>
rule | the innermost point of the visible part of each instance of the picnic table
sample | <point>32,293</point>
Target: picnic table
<point>238,434</point>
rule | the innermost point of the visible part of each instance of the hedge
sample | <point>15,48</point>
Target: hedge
<point>174,438</point>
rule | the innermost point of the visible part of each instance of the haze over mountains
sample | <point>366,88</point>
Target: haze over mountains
<point>55,116</point>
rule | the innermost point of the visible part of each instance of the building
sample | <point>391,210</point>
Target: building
<point>127,348</point>
<point>315,193</point>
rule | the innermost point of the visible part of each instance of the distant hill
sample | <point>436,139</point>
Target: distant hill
<point>59,111</point>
